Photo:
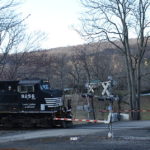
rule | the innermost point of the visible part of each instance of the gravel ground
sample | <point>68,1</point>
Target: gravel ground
<point>124,139</point>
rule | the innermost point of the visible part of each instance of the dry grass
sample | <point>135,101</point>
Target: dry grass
<point>145,104</point>
<point>77,100</point>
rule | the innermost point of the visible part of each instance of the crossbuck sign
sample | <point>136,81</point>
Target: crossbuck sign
<point>90,89</point>
<point>106,86</point>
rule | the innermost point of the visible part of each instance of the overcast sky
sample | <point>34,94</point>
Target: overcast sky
<point>54,17</point>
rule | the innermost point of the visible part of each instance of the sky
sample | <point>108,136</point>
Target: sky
<point>56,18</point>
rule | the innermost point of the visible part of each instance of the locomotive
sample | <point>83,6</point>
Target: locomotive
<point>32,103</point>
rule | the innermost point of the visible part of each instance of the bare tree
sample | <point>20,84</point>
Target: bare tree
<point>11,26</point>
<point>102,66</point>
<point>76,70</point>
<point>85,61</point>
<point>89,65</point>
<point>61,69</point>
<point>22,53</point>
<point>114,21</point>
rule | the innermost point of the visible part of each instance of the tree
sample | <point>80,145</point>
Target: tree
<point>114,21</point>
<point>22,54</point>
<point>11,27</point>
<point>85,61</point>
<point>14,39</point>
<point>102,66</point>
<point>80,67</point>
<point>75,71</point>
<point>61,69</point>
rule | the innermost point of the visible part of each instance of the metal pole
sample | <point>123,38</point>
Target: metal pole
<point>110,133</point>
<point>87,99</point>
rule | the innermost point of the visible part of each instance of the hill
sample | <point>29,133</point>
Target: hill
<point>73,66</point>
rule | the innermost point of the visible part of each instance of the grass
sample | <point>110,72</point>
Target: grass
<point>145,105</point>
<point>77,100</point>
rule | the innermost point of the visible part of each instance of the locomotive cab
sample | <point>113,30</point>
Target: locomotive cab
<point>37,95</point>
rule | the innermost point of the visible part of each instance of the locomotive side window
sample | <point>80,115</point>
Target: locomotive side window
<point>25,89</point>
<point>44,87</point>
<point>30,89</point>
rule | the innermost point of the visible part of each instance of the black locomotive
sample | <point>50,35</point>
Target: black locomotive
<point>29,103</point>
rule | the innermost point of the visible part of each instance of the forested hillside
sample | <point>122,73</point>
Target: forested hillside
<point>72,67</point>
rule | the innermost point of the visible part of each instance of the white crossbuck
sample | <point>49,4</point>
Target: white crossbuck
<point>90,89</point>
<point>106,86</point>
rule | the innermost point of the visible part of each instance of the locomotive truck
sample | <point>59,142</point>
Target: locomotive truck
<point>32,103</point>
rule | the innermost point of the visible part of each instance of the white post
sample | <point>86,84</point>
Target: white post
<point>110,133</point>
<point>88,104</point>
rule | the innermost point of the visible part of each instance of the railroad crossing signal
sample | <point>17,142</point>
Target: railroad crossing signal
<point>106,87</point>
<point>90,89</point>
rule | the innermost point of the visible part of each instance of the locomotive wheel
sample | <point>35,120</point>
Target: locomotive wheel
<point>63,124</point>
<point>69,124</point>
<point>66,124</point>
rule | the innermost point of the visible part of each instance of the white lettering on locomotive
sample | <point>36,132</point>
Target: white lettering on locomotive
<point>29,105</point>
<point>28,96</point>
